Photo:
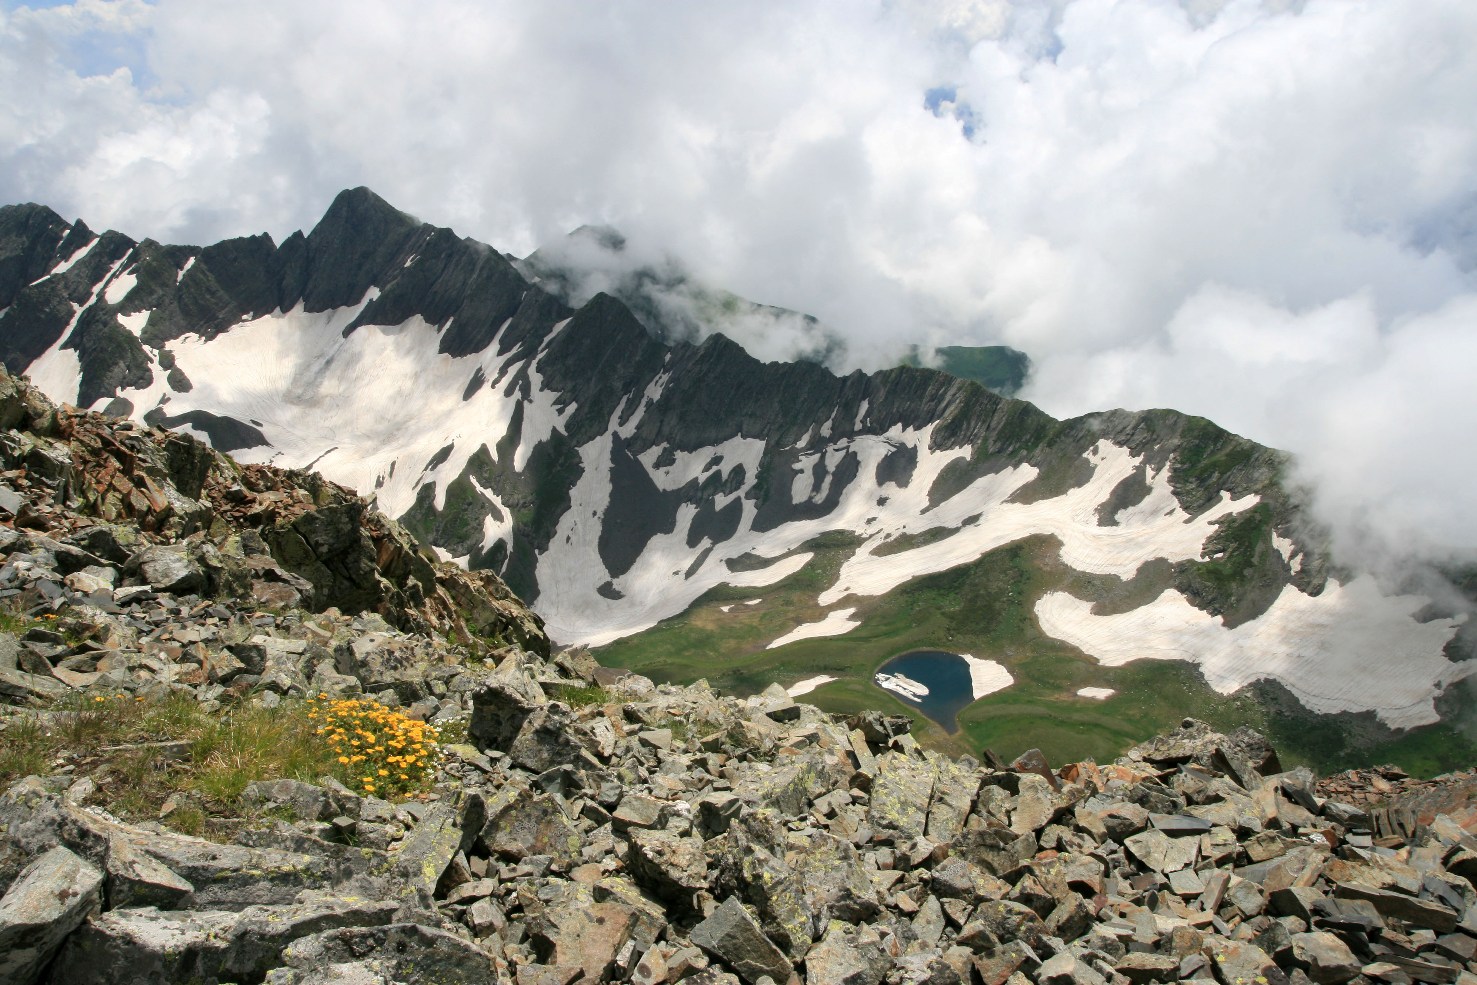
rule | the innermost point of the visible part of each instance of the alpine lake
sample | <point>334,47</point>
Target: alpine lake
<point>944,675</point>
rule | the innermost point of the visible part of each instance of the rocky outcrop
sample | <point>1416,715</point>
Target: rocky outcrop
<point>676,853</point>
<point>128,508</point>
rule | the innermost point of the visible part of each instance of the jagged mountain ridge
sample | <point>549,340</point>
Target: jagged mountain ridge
<point>614,478</point>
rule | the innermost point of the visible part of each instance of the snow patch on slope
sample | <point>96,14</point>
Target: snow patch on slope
<point>119,287</point>
<point>834,624</point>
<point>664,580</point>
<point>1348,649</point>
<point>57,372</point>
<point>340,403</point>
<point>1164,530</point>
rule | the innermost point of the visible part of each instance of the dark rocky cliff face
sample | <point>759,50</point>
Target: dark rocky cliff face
<point>714,391</point>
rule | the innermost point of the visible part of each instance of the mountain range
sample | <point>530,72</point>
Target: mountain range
<point>654,489</point>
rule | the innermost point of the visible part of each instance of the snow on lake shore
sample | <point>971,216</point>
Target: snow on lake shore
<point>986,676</point>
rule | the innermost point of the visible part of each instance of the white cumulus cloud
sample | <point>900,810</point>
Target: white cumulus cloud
<point>1262,211</point>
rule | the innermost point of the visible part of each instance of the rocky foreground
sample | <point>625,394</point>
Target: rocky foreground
<point>598,827</point>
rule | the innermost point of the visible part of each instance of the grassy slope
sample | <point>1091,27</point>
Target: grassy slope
<point>986,609</point>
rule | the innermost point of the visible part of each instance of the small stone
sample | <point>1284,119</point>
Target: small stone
<point>1325,958</point>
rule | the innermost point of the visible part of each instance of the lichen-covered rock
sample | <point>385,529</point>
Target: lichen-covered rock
<point>48,900</point>
<point>400,952</point>
<point>733,936</point>
<point>145,946</point>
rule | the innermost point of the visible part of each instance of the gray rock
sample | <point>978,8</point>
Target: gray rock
<point>19,687</point>
<point>167,568</point>
<point>1141,967</point>
<point>639,811</point>
<point>48,900</point>
<point>1067,969</point>
<point>997,922</point>
<point>573,929</point>
<point>10,500</point>
<point>136,878</point>
<point>1157,851</point>
<point>901,793</point>
<point>428,850</point>
<point>715,812</point>
<point>399,952</point>
<point>548,738</point>
<point>847,956</point>
<point>671,866</point>
<point>1324,957</point>
<point>999,851</point>
<point>109,541</point>
<point>1238,961</point>
<point>499,708</point>
<point>1419,912</point>
<point>145,946</point>
<point>305,801</point>
<point>520,824</point>
<point>733,936</point>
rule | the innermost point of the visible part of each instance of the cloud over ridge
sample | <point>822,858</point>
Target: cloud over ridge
<point>1261,211</point>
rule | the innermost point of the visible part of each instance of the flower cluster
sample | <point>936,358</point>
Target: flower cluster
<point>381,751</point>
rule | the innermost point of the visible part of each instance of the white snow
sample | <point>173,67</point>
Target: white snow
<point>689,466</point>
<point>834,624</point>
<point>1348,649</point>
<point>804,487</point>
<point>1287,548</point>
<point>382,399</point>
<point>1162,530</point>
<point>57,371</point>
<point>808,685</point>
<point>901,684</point>
<point>77,254</point>
<point>1096,693</point>
<point>986,676</point>
<point>185,269</point>
<point>540,418</point>
<point>826,428</point>
<point>119,287</point>
<point>861,415</point>
<point>494,530</point>
<point>753,601</point>
<point>134,322</point>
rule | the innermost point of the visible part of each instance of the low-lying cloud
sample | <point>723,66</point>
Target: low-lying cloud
<point>1262,211</point>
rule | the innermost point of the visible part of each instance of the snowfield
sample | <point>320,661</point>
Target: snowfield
<point>1348,649</point>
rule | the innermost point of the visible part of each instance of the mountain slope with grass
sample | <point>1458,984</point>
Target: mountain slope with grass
<point>696,512</point>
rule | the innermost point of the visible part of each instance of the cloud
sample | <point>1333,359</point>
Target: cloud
<point>1263,211</point>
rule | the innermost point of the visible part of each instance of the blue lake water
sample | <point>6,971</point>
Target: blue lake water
<point>946,676</point>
